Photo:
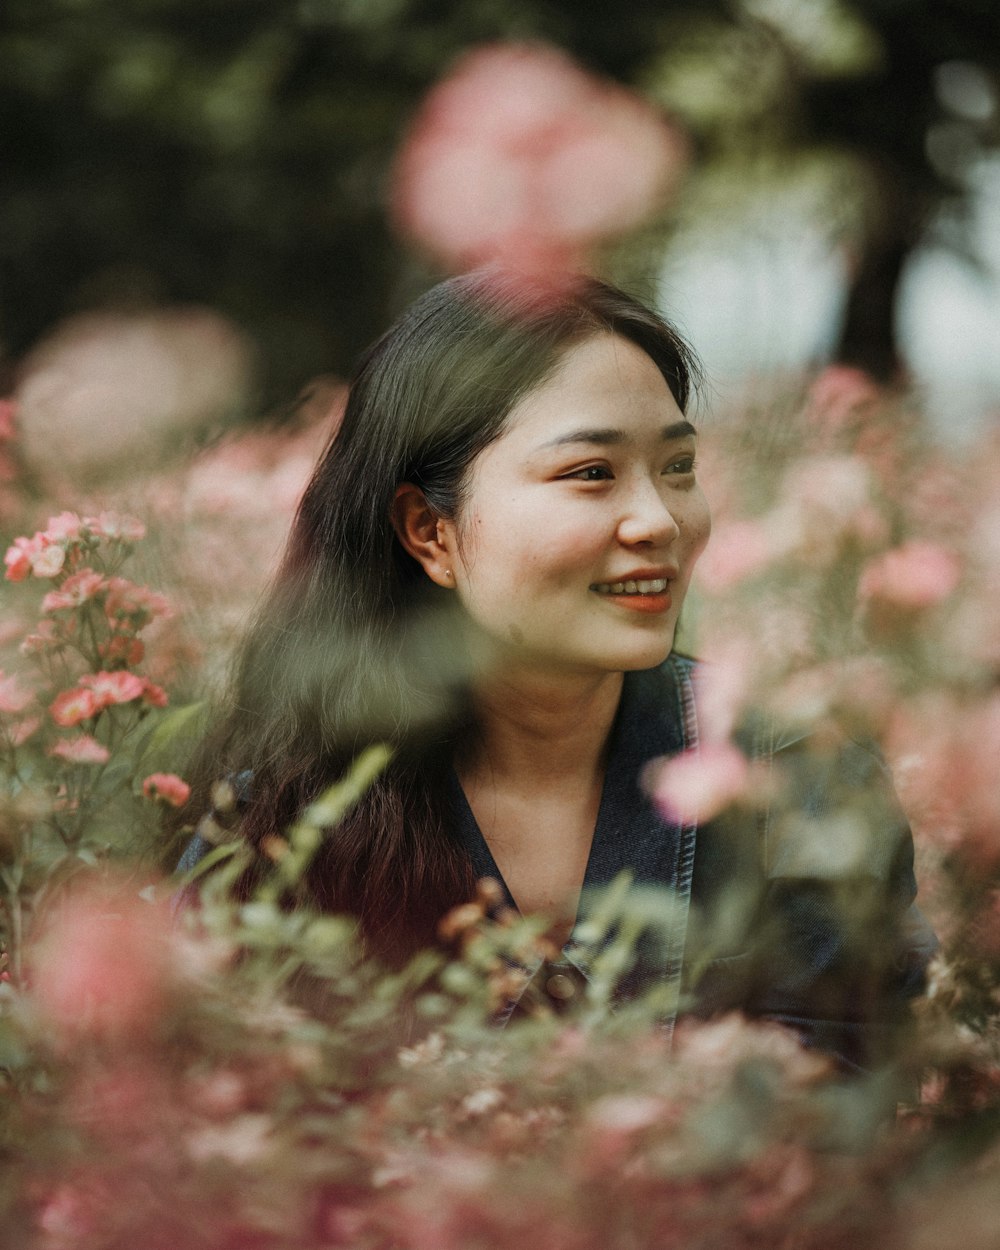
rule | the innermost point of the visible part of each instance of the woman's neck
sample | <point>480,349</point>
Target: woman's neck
<point>541,732</point>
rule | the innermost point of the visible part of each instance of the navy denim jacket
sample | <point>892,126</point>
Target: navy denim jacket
<point>801,913</point>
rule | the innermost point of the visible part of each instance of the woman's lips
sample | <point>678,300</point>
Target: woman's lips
<point>643,603</point>
<point>649,596</point>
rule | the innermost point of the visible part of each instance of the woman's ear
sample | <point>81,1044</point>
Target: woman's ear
<point>423,534</point>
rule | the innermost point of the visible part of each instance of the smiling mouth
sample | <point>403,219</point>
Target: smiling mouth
<point>656,586</point>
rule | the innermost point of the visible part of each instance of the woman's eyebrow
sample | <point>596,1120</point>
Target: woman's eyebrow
<point>608,437</point>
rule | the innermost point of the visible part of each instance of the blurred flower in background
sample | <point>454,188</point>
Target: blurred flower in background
<point>113,393</point>
<point>522,158</point>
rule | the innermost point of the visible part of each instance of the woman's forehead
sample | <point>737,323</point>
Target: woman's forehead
<point>604,385</point>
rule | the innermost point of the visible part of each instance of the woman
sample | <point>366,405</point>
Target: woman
<point>486,570</point>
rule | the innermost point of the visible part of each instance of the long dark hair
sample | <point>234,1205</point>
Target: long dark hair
<point>354,644</point>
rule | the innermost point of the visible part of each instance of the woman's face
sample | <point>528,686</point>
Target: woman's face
<point>583,521</point>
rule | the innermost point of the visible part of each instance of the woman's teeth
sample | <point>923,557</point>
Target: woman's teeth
<point>655,587</point>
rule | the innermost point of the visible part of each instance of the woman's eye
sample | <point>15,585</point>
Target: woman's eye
<point>592,473</point>
<point>681,467</point>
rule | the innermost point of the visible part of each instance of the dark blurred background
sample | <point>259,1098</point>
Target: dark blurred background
<point>235,153</point>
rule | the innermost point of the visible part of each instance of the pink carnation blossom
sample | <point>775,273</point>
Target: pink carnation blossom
<point>167,788</point>
<point>521,157</point>
<point>73,706</point>
<point>916,575</point>
<point>698,784</point>
<point>77,589</point>
<point>49,561</point>
<point>14,697</point>
<point>65,527</point>
<point>114,687</point>
<point>83,749</point>
<point>18,560</point>
<point>36,555</point>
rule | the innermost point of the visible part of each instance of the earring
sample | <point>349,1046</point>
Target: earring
<point>449,574</point>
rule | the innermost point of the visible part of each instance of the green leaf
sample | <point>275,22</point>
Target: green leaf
<point>167,745</point>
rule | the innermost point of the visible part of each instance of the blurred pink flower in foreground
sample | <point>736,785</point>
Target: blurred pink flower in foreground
<point>697,785</point>
<point>102,965</point>
<point>723,684</point>
<point>913,576</point>
<point>739,549</point>
<point>944,755</point>
<point>522,158</point>
<point>825,501</point>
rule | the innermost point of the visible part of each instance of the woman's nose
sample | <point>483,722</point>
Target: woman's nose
<point>647,519</point>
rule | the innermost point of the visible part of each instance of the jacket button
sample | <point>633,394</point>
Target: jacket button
<point>560,987</point>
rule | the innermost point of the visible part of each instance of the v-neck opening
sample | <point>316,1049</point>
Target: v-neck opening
<point>626,824</point>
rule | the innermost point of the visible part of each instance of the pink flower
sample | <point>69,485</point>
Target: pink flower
<point>944,755</point>
<point>125,648</point>
<point>154,695</point>
<point>73,706</point>
<point>14,697</point>
<point>18,560</point>
<point>831,490</point>
<point>45,637</point>
<point>77,589</point>
<point>106,391</point>
<point>65,527</point>
<point>103,965</point>
<point>80,750</point>
<point>135,604</point>
<point>115,687</point>
<point>117,527</point>
<point>521,157</point>
<point>737,550</point>
<point>49,561</point>
<point>723,685</point>
<point>698,784</point>
<point>68,1216</point>
<point>23,729</point>
<point>914,576</point>
<point>825,502</point>
<point>166,788</point>
<point>838,394</point>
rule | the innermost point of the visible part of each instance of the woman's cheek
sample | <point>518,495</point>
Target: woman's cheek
<point>700,528</point>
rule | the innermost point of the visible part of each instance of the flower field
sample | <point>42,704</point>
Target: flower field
<point>237,1076</point>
